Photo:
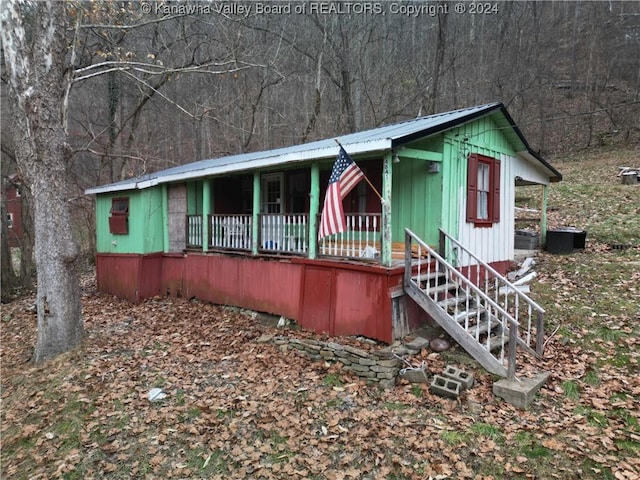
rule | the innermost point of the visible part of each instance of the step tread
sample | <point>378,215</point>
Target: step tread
<point>428,276</point>
<point>495,342</point>
<point>471,313</point>
<point>484,326</point>
<point>446,287</point>
<point>451,301</point>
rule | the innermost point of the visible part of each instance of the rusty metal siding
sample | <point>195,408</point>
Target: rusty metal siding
<point>172,275</point>
<point>315,303</point>
<point>150,274</point>
<point>361,305</point>
<point>257,284</point>
<point>327,297</point>
<point>117,274</point>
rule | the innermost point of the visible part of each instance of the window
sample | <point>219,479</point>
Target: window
<point>9,220</point>
<point>483,190</point>
<point>120,206</point>
<point>119,219</point>
<point>272,193</point>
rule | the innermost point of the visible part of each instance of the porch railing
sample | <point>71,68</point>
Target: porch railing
<point>284,233</point>
<point>194,231</point>
<point>230,231</point>
<point>360,240</point>
<point>287,233</point>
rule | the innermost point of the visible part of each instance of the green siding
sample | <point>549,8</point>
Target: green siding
<point>145,223</point>
<point>425,201</point>
<point>483,136</point>
<point>194,198</point>
<point>417,195</point>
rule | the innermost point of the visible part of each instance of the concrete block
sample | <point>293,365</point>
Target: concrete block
<point>445,387</point>
<point>465,379</point>
<point>520,393</point>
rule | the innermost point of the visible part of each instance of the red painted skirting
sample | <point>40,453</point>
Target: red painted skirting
<point>338,298</point>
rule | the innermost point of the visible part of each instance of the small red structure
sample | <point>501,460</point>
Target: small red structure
<point>13,217</point>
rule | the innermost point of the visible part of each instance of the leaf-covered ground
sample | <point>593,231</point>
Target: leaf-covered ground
<point>238,408</point>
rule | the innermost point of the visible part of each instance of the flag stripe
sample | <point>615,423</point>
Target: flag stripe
<point>344,176</point>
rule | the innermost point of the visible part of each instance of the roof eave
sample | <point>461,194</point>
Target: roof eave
<point>490,108</point>
<point>354,149</point>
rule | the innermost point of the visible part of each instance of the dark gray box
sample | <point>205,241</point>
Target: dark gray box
<point>526,240</point>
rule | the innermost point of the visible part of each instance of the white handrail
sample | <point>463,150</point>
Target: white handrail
<point>495,273</point>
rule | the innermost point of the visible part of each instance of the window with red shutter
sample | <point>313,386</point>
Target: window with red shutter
<point>483,190</point>
<point>119,219</point>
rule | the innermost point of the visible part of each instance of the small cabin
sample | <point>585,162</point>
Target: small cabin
<point>242,230</point>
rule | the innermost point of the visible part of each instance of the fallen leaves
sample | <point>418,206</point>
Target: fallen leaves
<point>238,407</point>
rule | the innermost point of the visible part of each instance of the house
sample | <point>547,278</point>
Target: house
<point>242,230</point>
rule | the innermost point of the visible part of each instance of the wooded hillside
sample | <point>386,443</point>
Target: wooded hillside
<point>569,73</point>
<point>160,84</point>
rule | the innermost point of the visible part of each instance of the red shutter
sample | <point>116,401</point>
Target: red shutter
<point>472,187</point>
<point>495,217</point>
<point>118,225</point>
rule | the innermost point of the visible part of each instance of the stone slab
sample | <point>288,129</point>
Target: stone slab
<point>417,344</point>
<point>414,375</point>
<point>520,393</point>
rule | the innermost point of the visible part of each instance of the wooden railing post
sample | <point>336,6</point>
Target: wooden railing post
<point>407,258</point>
<point>511,361</point>
<point>540,334</point>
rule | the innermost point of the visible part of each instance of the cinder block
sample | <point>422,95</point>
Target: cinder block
<point>465,379</point>
<point>445,387</point>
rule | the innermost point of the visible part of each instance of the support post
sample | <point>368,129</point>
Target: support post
<point>165,218</point>
<point>206,209</point>
<point>386,209</point>
<point>255,230</point>
<point>543,216</point>
<point>314,208</point>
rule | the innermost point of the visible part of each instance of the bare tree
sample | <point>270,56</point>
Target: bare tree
<point>38,78</point>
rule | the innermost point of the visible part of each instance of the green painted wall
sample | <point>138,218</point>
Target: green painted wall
<point>417,195</point>
<point>485,136</point>
<point>145,223</point>
<point>425,201</point>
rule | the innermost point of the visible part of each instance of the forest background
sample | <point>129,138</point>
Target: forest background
<point>157,84</point>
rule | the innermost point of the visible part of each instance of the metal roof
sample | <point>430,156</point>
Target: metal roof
<point>378,139</point>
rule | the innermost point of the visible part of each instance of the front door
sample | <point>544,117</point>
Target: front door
<point>271,232</point>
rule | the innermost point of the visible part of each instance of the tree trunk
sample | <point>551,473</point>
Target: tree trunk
<point>37,76</point>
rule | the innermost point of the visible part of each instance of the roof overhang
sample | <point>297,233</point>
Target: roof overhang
<point>381,139</point>
<point>272,158</point>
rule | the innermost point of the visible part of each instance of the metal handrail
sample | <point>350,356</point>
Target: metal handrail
<point>495,273</point>
<point>514,326</point>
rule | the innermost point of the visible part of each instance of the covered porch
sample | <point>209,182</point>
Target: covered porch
<point>278,213</point>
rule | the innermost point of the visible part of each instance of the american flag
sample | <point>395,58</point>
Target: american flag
<point>344,176</point>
